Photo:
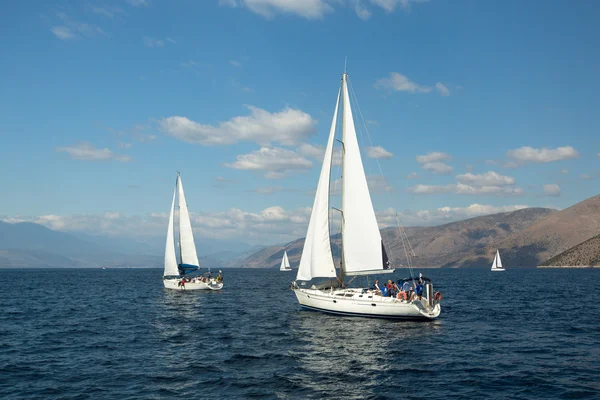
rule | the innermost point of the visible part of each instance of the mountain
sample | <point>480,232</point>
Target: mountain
<point>27,244</point>
<point>434,246</point>
<point>552,235</point>
<point>585,254</point>
<point>35,237</point>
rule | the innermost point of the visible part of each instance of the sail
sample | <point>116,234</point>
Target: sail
<point>361,240</point>
<point>317,260</point>
<point>499,262</point>
<point>186,237</point>
<point>285,263</point>
<point>170,258</point>
<point>495,258</point>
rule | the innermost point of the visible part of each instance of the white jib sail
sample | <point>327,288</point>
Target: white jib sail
<point>170,258</point>
<point>186,237</point>
<point>285,263</point>
<point>361,239</point>
<point>317,260</point>
<point>495,258</point>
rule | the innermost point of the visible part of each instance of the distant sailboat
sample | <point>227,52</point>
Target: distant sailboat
<point>362,250</point>
<point>285,263</point>
<point>175,274</point>
<point>497,264</point>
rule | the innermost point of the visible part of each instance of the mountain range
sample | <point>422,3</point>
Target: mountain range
<point>31,245</point>
<point>525,238</point>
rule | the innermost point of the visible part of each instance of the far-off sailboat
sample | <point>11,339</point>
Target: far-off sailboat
<point>497,264</point>
<point>362,250</point>
<point>176,274</point>
<point>285,263</point>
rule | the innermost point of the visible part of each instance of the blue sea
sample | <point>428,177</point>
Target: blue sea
<point>117,334</point>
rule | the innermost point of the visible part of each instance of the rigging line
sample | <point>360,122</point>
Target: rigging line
<point>410,269</point>
<point>353,94</point>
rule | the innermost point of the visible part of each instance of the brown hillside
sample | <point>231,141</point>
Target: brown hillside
<point>434,246</point>
<point>544,239</point>
<point>584,254</point>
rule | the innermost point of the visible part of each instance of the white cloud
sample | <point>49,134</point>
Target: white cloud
<point>438,168</point>
<point>433,157</point>
<point>287,127</point>
<point>151,42</point>
<point>490,178</point>
<point>378,152</point>
<point>598,155</point>
<point>378,184</point>
<point>564,171</point>
<point>433,162</point>
<point>390,5</point>
<point>310,9</point>
<point>460,188</point>
<point>63,32</point>
<point>87,152</point>
<point>412,175</point>
<point>108,11</point>
<point>236,63</point>
<point>544,155</point>
<point>73,29</point>
<point>315,9</point>
<point>400,83</point>
<point>276,161</point>
<point>552,190</point>
<point>442,89</point>
<point>442,215</point>
<point>318,153</point>
<point>139,3</point>
<point>362,11</point>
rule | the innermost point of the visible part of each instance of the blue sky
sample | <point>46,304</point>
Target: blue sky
<point>480,107</point>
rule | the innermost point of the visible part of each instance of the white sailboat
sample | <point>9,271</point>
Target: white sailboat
<point>175,275</point>
<point>362,250</point>
<point>285,263</point>
<point>497,264</point>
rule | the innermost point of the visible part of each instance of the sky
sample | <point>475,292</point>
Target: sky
<point>466,108</point>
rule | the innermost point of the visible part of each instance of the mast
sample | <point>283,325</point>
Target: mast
<point>344,76</point>
<point>179,230</point>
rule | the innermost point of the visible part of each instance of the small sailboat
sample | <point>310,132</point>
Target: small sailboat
<point>177,275</point>
<point>497,264</point>
<point>285,263</point>
<point>362,249</point>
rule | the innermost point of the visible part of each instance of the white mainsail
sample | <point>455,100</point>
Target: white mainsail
<point>361,239</point>
<point>317,260</point>
<point>497,264</point>
<point>187,247</point>
<point>170,258</point>
<point>285,263</point>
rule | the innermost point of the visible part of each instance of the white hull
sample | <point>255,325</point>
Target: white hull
<point>352,302</point>
<point>198,285</point>
<point>498,269</point>
<point>285,269</point>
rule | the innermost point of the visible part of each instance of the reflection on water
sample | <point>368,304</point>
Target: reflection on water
<point>348,354</point>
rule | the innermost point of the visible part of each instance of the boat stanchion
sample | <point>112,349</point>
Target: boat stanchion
<point>429,294</point>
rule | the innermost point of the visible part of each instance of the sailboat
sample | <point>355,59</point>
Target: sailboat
<point>497,264</point>
<point>285,263</point>
<point>362,250</point>
<point>177,275</point>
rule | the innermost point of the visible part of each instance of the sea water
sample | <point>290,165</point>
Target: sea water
<point>118,334</point>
